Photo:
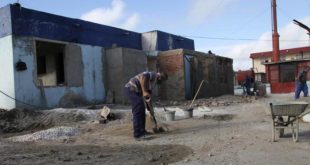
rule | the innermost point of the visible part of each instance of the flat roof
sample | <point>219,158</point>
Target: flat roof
<point>283,52</point>
<point>290,61</point>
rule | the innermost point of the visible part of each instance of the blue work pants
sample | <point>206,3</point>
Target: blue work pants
<point>301,87</point>
<point>138,112</point>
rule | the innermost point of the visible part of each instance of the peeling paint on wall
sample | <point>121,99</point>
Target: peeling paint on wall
<point>27,90</point>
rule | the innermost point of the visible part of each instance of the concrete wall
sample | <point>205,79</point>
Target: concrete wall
<point>6,73</point>
<point>184,80</point>
<point>216,70</point>
<point>257,64</point>
<point>123,64</point>
<point>149,41</point>
<point>92,70</point>
<point>171,62</point>
<point>114,74</point>
<point>74,65</point>
<point>5,21</point>
<point>27,90</point>
<point>162,41</point>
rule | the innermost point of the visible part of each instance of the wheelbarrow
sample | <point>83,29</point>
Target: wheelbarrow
<point>287,115</point>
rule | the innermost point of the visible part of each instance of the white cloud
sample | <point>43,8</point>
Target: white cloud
<point>240,53</point>
<point>131,22</point>
<point>201,10</point>
<point>113,16</point>
<point>294,32</point>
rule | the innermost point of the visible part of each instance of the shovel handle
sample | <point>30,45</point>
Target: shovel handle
<point>149,106</point>
<point>196,94</point>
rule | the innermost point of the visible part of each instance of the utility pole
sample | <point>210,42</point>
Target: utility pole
<point>275,34</point>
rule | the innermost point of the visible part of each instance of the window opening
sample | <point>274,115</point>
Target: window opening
<point>50,63</point>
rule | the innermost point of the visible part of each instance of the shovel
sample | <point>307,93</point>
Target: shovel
<point>149,106</point>
<point>191,105</point>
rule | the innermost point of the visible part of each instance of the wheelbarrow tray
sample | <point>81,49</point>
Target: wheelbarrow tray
<point>294,108</point>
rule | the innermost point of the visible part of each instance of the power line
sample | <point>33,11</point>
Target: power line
<point>35,106</point>
<point>239,39</point>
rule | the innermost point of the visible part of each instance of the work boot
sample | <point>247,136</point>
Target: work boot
<point>141,138</point>
<point>147,133</point>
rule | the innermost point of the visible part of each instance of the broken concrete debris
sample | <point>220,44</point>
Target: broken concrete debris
<point>224,100</point>
<point>106,115</point>
<point>20,120</point>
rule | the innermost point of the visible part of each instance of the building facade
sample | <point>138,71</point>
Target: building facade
<point>260,58</point>
<point>187,69</point>
<point>54,61</point>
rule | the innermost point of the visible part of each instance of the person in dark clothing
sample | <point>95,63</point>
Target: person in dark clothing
<point>301,83</point>
<point>139,89</point>
<point>247,85</point>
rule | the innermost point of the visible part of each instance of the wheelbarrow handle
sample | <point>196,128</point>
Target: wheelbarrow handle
<point>304,113</point>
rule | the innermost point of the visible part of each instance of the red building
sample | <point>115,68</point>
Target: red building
<point>281,75</point>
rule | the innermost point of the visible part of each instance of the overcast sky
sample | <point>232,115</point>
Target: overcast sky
<point>230,28</point>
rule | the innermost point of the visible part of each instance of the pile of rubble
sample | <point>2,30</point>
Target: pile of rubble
<point>57,133</point>
<point>19,120</point>
<point>224,100</point>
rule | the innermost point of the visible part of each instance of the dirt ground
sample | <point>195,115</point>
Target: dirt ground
<point>235,132</point>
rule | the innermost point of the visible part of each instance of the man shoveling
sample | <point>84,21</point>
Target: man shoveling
<point>139,90</point>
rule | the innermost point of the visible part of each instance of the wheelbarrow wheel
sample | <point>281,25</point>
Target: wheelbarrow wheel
<point>295,132</point>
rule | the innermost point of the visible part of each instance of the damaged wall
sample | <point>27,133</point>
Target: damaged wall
<point>80,69</point>
<point>186,69</point>
<point>122,64</point>
<point>28,90</point>
<point>218,72</point>
<point>171,62</point>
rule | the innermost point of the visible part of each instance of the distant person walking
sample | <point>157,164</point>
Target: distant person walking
<point>301,83</point>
